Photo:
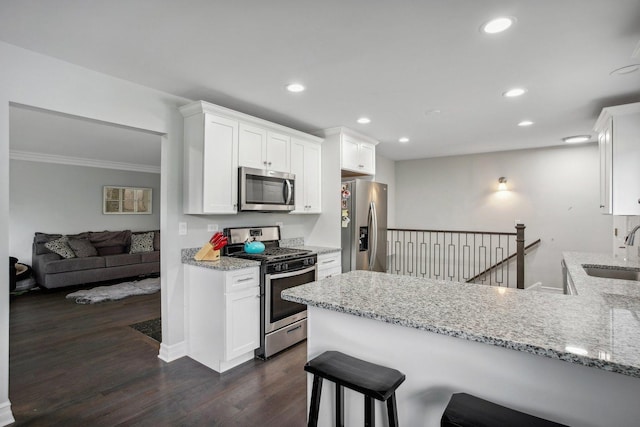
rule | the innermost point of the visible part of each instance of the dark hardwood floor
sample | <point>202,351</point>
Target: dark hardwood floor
<point>82,365</point>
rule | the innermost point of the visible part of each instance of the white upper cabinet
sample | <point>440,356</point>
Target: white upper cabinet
<point>252,147</point>
<point>218,140</point>
<point>619,142</point>
<point>358,154</point>
<point>306,165</point>
<point>210,164</point>
<point>263,149</point>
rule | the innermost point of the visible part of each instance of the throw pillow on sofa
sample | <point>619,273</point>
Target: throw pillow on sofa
<point>142,242</point>
<point>61,247</point>
<point>82,248</point>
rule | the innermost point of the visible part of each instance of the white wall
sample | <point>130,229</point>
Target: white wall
<point>553,191</point>
<point>66,199</point>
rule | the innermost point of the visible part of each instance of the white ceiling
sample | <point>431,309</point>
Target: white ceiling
<point>44,132</point>
<point>390,61</point>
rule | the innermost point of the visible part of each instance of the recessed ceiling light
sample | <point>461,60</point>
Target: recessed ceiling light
<point>430,112</point>
<point>525,123</point>
<point>364,120</point>
<point>516,91</point>
<point>627,69</point>
<point>576,139</point>
<point>498,25</point>
<point>403,139</point>
<point>295,87</point>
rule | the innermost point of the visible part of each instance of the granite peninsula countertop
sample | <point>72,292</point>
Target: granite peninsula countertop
<point>224,263</point>
<point>599,327</point>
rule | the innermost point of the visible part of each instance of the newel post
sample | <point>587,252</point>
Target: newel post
<point>520,255</point>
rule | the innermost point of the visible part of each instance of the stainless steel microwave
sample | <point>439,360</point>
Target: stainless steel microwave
<point>265,190</point>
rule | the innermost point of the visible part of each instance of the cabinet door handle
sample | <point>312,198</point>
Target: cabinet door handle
<point>269,163</point>
<point>602,206</point>
<point>246,279</point>
<point>329,261</point>
<point>264,163</point>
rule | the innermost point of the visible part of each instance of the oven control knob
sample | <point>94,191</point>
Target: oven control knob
<point>285,266</point>
<point>277,267</point>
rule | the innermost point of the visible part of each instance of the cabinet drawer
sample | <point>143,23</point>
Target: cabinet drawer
<point>329,260</point>
<point>242,279</point>
<point>328,272</point>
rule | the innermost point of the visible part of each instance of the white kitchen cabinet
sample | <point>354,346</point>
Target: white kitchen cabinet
<point>242,316</point>
<point>619,144</point>
<point>329,265</point>
<point>263,149</point>
<point>217,141</point>
<point>223,315</point>
<point>210,163</point>
<point>357,155</point>
<point>306,165</point>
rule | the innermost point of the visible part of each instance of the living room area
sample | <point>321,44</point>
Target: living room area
<point>81,191</point>
<point>84,211</point>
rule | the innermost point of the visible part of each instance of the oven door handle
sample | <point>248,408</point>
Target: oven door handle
<point>292,273</point>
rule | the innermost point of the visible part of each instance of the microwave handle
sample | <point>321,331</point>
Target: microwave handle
<point>288,191</point>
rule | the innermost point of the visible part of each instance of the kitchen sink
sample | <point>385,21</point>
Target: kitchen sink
<point>613,273</point>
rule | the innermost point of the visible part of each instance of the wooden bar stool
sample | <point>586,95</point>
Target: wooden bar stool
<point>373,381</point>
<point>466,410</point>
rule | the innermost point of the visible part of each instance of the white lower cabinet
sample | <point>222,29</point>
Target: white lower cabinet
<point>329,265</point>
<point>222,311</point>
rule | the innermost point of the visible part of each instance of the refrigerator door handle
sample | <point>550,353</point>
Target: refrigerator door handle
<point>373,234</point>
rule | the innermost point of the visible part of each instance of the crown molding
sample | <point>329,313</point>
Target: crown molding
<point>80,161</point>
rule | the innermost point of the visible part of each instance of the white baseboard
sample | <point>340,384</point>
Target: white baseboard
<point>169,353</point>
<point>6,417</point>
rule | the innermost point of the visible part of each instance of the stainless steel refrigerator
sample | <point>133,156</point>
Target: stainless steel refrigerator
<point>364,225</point>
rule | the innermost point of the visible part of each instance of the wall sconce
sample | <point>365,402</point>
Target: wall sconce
<point>502,183</point>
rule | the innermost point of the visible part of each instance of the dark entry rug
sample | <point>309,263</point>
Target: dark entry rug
<point>151,328</point>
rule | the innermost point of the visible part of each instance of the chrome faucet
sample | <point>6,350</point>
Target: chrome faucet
<point>631,236</point>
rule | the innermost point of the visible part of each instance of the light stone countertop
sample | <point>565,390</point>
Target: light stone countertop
<point>224,263</point>
<point>320,250</point>
<point>599,327</point>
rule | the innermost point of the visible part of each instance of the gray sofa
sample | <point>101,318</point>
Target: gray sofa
<point>99,256</point>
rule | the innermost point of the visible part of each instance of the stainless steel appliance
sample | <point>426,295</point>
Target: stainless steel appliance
<point>265,190</point>
<point>364,225</point>
<point>283,323</point>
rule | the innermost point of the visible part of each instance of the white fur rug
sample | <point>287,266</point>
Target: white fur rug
<point>116,292</point>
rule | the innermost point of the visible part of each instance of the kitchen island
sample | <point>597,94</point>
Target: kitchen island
<point>573,359</point>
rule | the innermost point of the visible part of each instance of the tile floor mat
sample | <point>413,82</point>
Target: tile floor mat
<point>151,328</point>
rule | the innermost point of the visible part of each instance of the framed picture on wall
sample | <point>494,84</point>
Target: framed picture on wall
<point>126,200</point>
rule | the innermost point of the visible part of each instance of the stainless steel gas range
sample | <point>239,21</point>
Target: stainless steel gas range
<point>283,323</point>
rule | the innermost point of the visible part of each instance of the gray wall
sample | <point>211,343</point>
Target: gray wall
<point>55,198</point>
<point>386,173</point>
<point>553,191</point>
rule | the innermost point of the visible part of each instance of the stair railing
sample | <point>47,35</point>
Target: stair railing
<point>461,256</point>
